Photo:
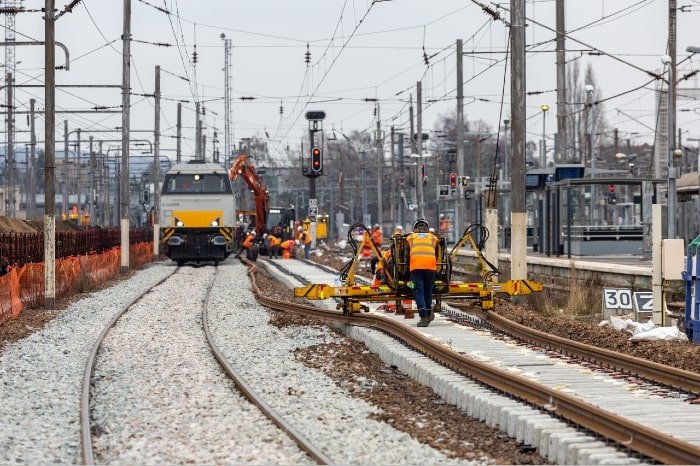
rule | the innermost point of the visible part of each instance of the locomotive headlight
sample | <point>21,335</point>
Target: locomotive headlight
<point>179,223</point>
<point>214,223</point>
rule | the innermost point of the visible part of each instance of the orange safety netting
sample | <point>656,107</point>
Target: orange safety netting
<point>23,287</point>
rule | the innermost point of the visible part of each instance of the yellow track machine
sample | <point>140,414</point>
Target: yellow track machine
<point>397,285</point>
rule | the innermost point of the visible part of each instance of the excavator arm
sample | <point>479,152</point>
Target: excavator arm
<point>242,167</point>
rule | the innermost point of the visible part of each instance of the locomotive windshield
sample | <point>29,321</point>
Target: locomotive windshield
<point>209,183</point>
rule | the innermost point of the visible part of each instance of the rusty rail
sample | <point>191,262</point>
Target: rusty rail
<point>647,441</point>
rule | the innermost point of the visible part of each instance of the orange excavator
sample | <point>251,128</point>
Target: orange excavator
<point>244,168</point>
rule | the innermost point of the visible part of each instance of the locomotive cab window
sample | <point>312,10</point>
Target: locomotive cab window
<point>210,183</point>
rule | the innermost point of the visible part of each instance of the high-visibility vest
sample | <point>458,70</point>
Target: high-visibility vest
<point>272,241</point>
<point>377,237</point>
<point>422,255</point>
<point>248,241</point>
<point>289,244</point>
<point>306,237</point>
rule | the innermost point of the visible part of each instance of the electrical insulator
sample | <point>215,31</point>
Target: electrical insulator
<point>307,55</point>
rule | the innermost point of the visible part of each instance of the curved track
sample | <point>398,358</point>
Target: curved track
<point>657,445</point>
<point>86,444</point>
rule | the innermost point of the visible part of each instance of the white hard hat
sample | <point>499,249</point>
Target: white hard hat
<point>299,228</point>
<point>296,241</point>
<point>252,233</point>
<point>264,235</point>
<point>399,227</point>
<point>431,230</point>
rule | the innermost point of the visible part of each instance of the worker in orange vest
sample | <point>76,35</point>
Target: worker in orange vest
<point>273,246</point>
<point>247,243</point>
<point>305,239</point>
<point>423,265</point>
<point>287,247</point>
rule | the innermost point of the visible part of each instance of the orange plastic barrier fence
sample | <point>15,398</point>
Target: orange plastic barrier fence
<point>23,287</point>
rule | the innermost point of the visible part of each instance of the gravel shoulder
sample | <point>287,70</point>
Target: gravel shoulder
<point>42,374</point>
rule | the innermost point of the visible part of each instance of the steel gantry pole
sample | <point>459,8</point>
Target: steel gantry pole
<point>10,159</point>
<point>126,107</point>
<point>671,136</point>
<point>78,177</point>
<point>562,151</point>
<point>93,189</point>
<point>66,175</point>
<point>380,172</point>
<point>419,146</point>
<point>460,213</point>
<point>31,200</point>
<point>49,157</point>
<point>156,167</point>
<point>518,120</point>
<point>178,142</point>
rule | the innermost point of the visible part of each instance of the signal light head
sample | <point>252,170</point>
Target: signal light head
<point>453,180</point>
<point>316,161</point>
<point>611,188</point>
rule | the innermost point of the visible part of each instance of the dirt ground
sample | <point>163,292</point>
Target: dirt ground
<point>33,226</point>
<point>406,405</point>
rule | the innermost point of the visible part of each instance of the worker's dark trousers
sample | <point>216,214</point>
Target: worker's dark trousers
<point>423,281</point>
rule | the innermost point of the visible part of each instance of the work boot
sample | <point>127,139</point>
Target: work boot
<point>424,322</point>
<point>431,317</point>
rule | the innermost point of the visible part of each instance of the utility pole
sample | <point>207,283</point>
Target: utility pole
<point>402,219</point>
<point>562,150</point>
<point>49,156</point>
<point>410,116</point>
<point>394,177</point>
<point>671,136</point>
<point>228,106</point>
<point>460,213</point>
<point>93,184</point>
<point>31,201</point>
<point>156,168</point>
<point>419,145</point>
<point>518,117</point>
<point>126,107</point>
<point>10,160</point>
<point>78,166</point>
<point>178,150</point>
<point>197,133</point>
<point>66,175</point>
<point>380,172</point>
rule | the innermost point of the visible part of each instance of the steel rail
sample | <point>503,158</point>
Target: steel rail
<point>86,451</point>
<point>657,445</point>
<point>650,370</point>
<point>250,394</point>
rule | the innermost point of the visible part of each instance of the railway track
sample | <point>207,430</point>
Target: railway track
<point>630,434</point>
<point>649,370</point>
<point>87,447</point>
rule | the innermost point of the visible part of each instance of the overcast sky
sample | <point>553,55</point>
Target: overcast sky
<point>383,59</point>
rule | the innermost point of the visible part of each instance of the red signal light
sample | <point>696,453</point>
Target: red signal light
<point>611,188</point>
<point>316,160</point>
<point>453,180</point>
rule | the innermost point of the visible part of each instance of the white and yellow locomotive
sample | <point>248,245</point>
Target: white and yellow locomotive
<point>197,213</point>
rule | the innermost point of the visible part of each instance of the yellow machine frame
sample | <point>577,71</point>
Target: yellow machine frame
<point>352,295</point>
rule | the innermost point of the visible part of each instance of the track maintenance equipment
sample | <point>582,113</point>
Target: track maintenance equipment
<point>398,284</point>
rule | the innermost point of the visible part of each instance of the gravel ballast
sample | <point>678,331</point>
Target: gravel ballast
<point>42,374</point>
<point>159,395</point>
<point>340,425</point>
